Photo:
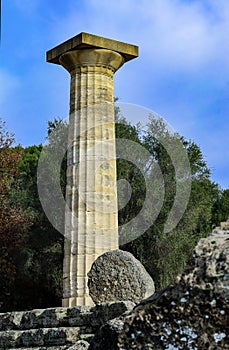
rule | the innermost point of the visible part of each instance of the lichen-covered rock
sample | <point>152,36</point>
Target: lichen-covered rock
<point>42,337</point>
<point>64,347</point>
<point>191,313</point>
<point>107,336</point>
<point>80,345</point>
<point>57,328</point>
<point>77,316</point>
<point>118,275</point>
<point>191,319</point>
<point>224,226</point>
<point>210,266</point>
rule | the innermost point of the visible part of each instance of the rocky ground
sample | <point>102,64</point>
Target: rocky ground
<point>191,313</point>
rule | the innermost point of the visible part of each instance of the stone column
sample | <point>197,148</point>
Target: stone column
<point>91,220</point>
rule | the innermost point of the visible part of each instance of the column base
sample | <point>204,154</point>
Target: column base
<point>77,301</point>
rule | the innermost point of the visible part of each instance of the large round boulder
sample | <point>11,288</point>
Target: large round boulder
<point>118,275</point>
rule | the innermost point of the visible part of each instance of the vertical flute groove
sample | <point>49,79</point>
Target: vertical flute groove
<point>90,192</point>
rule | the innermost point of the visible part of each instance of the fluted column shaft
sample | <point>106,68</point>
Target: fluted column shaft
<point>91,226</point>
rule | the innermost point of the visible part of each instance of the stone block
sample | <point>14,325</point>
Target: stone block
<point>80,345</point>
<point>107,336</point>
<point>78,316</point>
<point>86,40</point>
<point>118,275</point>
<point>38,337</point>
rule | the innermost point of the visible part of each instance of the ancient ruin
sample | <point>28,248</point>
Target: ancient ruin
<point>117,275</point>
<point>91,221</point>
<point>191,313</point>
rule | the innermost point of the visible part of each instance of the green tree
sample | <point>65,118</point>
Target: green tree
<point>14,221</point>
<point>166,254</point>
<point>128,171</point>
<point>40,264</point>
<point>220,210</point>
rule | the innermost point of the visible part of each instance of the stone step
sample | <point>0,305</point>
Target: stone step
<point>43,338</point>
<point>93,316</point>
<point>65,347</point>
<point>55,347</point>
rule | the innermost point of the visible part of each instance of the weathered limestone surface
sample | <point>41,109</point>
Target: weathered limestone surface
<point>211,268</point>
<point>192,313</point>
<point>64,347</point>
<point>94,316</point>
<point>80,345</point>
<point>107,336</point>
<point>223,228</point>
<point>59,329</point>
<point>91,220</point>
<point>39,337</point>
<point>118,275</point>
<point>86,40</point>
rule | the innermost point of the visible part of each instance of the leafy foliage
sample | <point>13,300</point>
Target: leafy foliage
<point>40,264</point>
<point>31,250</point>
<point>166,254</point>
<point>34,249</point>
<point>14,221</point>
<point>220,211</point>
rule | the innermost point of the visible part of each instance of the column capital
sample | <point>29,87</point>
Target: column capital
<point>91,41</point>
<point>76,60</point>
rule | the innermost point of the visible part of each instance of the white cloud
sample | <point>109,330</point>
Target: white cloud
<point>188,35</point>
<point>177,33</point>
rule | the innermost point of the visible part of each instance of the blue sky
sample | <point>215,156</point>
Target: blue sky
<point>182,72</point>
